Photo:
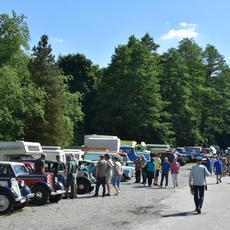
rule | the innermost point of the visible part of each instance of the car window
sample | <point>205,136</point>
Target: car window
<point>6,171</point>
<point>20,169</point>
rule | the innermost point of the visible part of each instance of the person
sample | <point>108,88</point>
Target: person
<point>101,175</point>
<point>137,163</point>
<point>175,172</point>
<point>109,173</point>
<point>39,164</point>
<point>117,174</point>
<point>150,170</point>
<point>59,170</point>
<point>71,180</point>
<point>197,182</point>
<point>218,169</point>
<point>158,166</point>
<point>165,172</point>
<point>143,169</point>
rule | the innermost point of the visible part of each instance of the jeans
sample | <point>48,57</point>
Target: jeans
<point>150,176</point>
<point>138,176</point>
<point>198,196</point>
<point>100,181</point>
<point>144,177</point>
<point>116,181</point>
<point>166,176</point>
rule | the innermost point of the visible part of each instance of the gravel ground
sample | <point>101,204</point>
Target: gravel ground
<point>132,208</point>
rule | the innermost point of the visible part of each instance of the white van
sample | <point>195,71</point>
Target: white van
<point>16,150</point>
<point>52,152</point>
<point>78,153</point>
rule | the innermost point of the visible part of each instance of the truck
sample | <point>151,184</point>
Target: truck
<point>15,150</point>
<point>111,143</point>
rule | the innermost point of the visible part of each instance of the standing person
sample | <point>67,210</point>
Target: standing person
<point>143,169</point>
<point>59,170</point>
<point>175,172</point>
<point>218,169</point>
<point>101,175</point>
<point>39,164</point>
<point>165,172</point>
<point>109,174</point>
<point>150,170</point>
<point>158,167</point>
<point>137,163</point>
<point>117,174</point>
<point>71,180</point>
<point>197,181</point>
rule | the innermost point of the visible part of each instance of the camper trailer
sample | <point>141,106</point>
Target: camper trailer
<point>52,152</point>
<point>18,150</point>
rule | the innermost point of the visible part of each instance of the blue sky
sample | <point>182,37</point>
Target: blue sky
<point>95,27</point>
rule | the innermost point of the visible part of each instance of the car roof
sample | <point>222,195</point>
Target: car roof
<point>10,163</point>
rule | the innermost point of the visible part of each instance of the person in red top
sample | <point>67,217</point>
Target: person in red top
<point>137,170</point>
<point>175,172</point>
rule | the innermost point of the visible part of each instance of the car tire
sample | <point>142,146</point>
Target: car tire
<point>41,195</point>
<point>83,186</point>
<point>55,199</point>
<point>6,203</point>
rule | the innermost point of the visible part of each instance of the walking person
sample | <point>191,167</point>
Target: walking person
<point>150,170</point>
<point>71,180</point>
<point>165,172</point>
<point>143,169</point>
<point>117,174</point>
<point>101,175</point>
<point>175,172</point>
<point>109,173</point>
<point>218,169</point>
<point>158,167</point>
<point>137,163</point>
<point>197,182</point>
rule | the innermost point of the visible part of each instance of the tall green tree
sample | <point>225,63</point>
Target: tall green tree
<point>129,103</point>
<point>85,77</point>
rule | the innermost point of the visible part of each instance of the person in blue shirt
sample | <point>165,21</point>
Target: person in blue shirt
<point>165,172</point>
<point>150,170</point>
<point>218,169</point>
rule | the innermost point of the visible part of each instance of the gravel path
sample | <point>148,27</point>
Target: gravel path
<point>134,206</point>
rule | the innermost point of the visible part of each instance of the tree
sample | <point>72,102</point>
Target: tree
<point>129,103</point>
<point>84,79</point>
<point>46,75</point>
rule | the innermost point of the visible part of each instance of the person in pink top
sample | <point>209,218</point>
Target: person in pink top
<point>175,172</point>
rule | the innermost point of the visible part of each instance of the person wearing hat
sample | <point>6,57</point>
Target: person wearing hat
<point>197,182</point>
<point>39,164</point>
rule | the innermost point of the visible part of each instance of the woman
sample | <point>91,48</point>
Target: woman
<point>143,170</point>
<point>109,173</point>
<point>175,172</point>
<point>117,173</point>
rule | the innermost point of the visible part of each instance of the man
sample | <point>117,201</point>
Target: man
<point>158,166</point>
<point>137,163</point>
<point>59,169</point>
<point>117,174</point>
<point>39,164</point>
<point>150,170</point>
<point>101,175</point>
<point>218,169</point>
<point>197,182</point>
<point>71,180</point>
<point>165,172</point>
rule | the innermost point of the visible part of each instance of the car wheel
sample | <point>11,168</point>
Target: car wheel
<point>83,186</point>
<point>41,195</point>
<point>6,203</point>
<point>55,199</point>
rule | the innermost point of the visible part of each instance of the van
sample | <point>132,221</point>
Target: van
<point>16,150</point>
<point>52,152</point>
<point>77,153</point>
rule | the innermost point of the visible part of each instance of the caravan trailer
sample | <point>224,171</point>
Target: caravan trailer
<point>17,150</point>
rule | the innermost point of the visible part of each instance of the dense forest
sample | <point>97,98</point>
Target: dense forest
<point>180,97</point>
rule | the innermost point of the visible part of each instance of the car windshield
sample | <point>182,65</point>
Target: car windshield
<point>20,169</point>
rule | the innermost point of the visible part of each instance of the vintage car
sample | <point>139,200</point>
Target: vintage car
<point>44,186</point>
<point>13,194</point>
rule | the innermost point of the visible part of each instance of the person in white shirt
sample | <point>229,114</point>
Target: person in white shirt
<point>109,173</point>
<point>197,182</point>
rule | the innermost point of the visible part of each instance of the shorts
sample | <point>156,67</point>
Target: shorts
<point>157,173</point>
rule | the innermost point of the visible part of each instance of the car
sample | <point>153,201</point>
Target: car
<point>13,194</point>
<point>44,186</point>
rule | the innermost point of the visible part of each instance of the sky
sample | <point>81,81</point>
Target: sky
<point>95,27</point>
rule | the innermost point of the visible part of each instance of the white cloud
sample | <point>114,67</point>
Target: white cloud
<point>55,39</point>
<point>179,34</point>
<point>185,24</point>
